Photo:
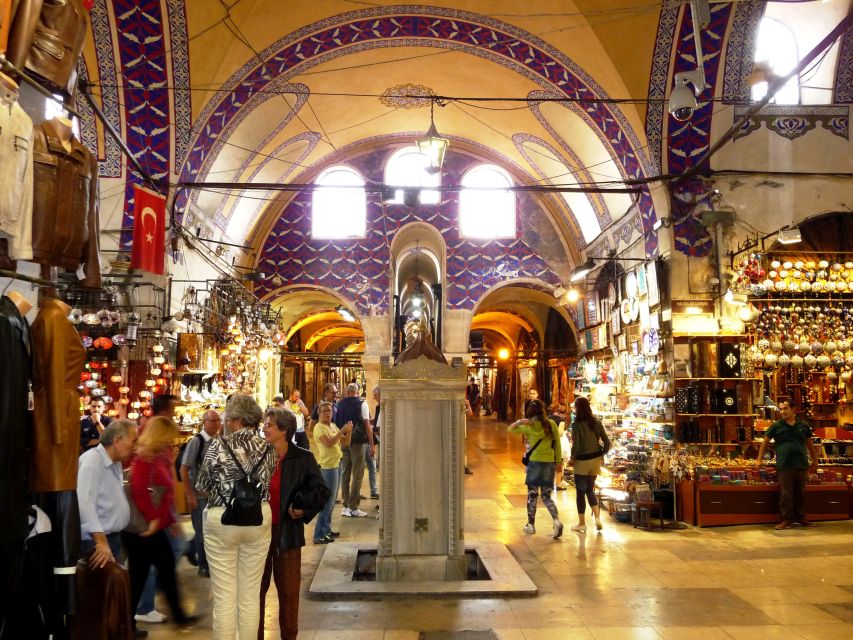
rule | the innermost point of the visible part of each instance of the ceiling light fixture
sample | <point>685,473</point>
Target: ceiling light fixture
<point>345,313</point>
<point>580,272</point>
<point>432,145</point>
<point>791,235</point>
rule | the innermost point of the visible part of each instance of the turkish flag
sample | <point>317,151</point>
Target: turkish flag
<point>149,230</point>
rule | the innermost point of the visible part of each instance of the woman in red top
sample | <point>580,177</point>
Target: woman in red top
<point>297,494</point>
<point>152,488</point>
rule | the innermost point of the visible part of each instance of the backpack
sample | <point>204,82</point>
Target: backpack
<point>179,460</point>
<point>243,508</point>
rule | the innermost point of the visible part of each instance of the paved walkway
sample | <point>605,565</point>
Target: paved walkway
<point>747,582</point>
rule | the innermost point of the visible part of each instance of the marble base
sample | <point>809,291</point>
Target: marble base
<point>334,577</point>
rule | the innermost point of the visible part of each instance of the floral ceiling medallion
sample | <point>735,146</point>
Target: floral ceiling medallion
<point>407,96</point>
<point>794,121</point>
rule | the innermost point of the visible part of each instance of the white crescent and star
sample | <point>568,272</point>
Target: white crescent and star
<point>148,211</point>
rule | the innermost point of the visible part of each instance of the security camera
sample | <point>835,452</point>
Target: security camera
<point>682,101</point>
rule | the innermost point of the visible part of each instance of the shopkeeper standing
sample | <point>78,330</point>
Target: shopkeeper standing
<point>92,426</point>
<point>792,439</point>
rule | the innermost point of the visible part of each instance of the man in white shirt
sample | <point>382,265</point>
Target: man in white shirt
<point>197,500</point>
<point>104,510</point>
<point>295,405</point>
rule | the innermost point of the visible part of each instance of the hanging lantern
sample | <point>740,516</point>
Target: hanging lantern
<point>124,401</point>
<point>157,348</point>
<point>150,383</point>
<point>155,371</point>
<point>159,359</point>
<point>116,377</point>
<point>133,322</point>
<point>133,415</point>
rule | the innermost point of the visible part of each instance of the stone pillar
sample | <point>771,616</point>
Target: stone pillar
<point>421,525</point>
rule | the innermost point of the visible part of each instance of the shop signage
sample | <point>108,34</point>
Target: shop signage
<point>693,306</point>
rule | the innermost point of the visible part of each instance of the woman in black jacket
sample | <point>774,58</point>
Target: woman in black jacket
<point>297,494</point>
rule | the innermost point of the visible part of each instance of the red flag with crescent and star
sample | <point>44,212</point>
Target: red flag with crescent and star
<point>149,230</point>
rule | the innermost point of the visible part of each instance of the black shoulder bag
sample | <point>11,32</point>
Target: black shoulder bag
<point>243,508</point>
<point>525,459</point>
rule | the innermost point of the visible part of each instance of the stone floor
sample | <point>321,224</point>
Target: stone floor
<point>748,582</point>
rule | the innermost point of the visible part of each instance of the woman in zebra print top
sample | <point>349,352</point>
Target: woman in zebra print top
<point>236,554</point>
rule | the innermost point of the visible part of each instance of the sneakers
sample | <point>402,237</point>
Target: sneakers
<point>334,534</point>
<point>558,529</point>
<point>357,513</point>
<point>374,496</point>
<point>346,513</point>
<point>783,525</point>
<point>579,528</point>
<point>152,617</point>
<point>562,485</point>
<point>528,528</point>
<point>325,540</point>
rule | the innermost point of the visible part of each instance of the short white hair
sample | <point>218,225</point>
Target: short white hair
<point>352,387</point>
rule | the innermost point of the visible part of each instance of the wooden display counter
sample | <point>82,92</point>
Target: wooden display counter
<point>717,504</point>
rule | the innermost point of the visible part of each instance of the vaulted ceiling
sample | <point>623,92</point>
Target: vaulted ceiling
<point>267,91</point>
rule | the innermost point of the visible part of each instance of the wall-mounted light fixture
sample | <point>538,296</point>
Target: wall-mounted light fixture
<point>581,271</point>
<point>345,313</point>
<point>791,235</point>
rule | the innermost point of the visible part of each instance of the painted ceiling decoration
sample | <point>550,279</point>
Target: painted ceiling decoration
<point>401,26</point>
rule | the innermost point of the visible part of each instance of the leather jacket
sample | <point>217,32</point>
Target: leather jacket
<point>59,356</point>
<point>65,206</point>
<point>16,37</point>
<point>57,43</point>
<point>302,486</point>
<point>16,421</point>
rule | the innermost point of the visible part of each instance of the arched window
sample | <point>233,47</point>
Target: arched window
<point>486,206</point>
<point>339,207</point>
<point>407,168</point>
<point>776,49</point>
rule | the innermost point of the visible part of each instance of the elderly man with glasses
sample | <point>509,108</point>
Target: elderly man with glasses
<point>197,500</point>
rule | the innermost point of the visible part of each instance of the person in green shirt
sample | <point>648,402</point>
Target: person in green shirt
<point>544,441</point>
<point>792,439</point>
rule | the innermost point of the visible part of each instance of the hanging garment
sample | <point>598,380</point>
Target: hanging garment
<point>16,176</point>
<point>16,36</point>
<point>58,359</point>
<point>104,600</point>
<point>15,423</point>
<point>65,204</point>
<point>57,43</point>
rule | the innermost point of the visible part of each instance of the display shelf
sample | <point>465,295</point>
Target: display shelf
<point>758,504</point>
<point>716,379</point>
<point>647,421</point>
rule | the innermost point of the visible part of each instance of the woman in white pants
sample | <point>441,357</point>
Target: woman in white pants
<point>236,554</point>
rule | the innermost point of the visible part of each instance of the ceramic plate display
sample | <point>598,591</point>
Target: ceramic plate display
<point>631,285</point>
<point>635,309</point>
<point>625,311</point>
<point>654,342</point>
<point>611,293</point>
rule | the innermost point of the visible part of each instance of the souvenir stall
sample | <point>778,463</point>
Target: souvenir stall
<point>798,315</point>
<point>642,431</point>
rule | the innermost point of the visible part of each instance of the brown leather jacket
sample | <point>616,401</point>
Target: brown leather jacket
<point>16,36</point>
<point>65,206</point>
<point>57,43</point>
<point>58,359</point>
<point>104,608</point>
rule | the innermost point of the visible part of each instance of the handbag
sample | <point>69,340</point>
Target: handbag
<point>137,523</point>
<point>525,459</point>
<point>243,508</point>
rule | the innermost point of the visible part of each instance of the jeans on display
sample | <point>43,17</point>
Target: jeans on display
<point>353,474</point>
<point>236,556</point>
<point>146,602</point>
<point>323,526</point>
<point>285,567</point>
<point>585,487</point>
<point>370,461</point>
<point>792,494</point>
<point>198,527</point>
